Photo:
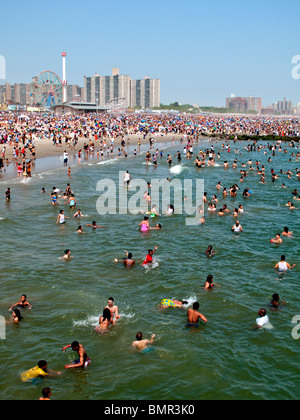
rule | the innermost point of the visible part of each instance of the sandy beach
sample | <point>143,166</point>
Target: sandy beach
<point>45,148</point>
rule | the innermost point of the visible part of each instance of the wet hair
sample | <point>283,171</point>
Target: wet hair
<point>139,336</point>
<point>46,392</point>
<point>18,314</point>
<point>111,298</point>
<point>196,305</point>
<point>275,297</point>
<point>106,314</point>
<point>286,229</point>
<point>130,255</point>
<point>75,344</point>
<point>210,278</point>
<point>184,302</point>
<point>42,364</point>
<point>66,251</point>
<point>282,257</point>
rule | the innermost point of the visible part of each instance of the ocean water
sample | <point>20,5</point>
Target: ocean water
<point>224,359</point>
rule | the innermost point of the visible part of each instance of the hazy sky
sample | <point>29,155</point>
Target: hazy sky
<point>202,51</point>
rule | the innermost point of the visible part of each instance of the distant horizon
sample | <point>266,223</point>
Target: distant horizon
<point>204,51</point>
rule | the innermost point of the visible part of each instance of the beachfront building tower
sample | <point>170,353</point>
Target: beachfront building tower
<point>145,93</point>
<point>104,90</point>
<point>244,104</point>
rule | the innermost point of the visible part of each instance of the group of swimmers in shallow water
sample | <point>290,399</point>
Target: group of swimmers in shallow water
<point>110,314</point>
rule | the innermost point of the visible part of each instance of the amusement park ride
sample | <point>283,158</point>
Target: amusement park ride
<point>48,89</point>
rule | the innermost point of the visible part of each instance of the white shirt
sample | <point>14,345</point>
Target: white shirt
<point>262,320</point>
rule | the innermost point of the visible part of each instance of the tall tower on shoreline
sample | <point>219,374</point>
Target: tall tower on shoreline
<point>64,81</point>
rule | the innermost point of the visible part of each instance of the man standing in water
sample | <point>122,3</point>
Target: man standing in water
<point>128,261</point>
<point>114,310</point>
<point>283,265</point>
<point>127,178</point>
<point>66,155</point>
<point>237,227</point>
<point>141,343</point>
<point>194,316</point>
<point>83,359</point>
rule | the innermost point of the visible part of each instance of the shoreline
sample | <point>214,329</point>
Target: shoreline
<point>46,161</point>
<point>50,157</point>
<point>45,147</point>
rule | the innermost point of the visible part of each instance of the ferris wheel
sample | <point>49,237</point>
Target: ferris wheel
<point>47,89</point>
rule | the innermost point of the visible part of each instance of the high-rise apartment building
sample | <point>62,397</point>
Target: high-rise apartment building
<point>145,93</point>
<point>104,89</point>
<point>283,107</point>
<point>74,92</point>
<point>243,104</point>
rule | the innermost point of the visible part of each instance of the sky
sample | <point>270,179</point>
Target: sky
<point>202,51</point>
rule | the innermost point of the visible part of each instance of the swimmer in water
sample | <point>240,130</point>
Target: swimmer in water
<point>275,302</point>
<point>170,210</point>
<point>144,225</point>
<point>105,321</point>
<point>156,227</point>
<point>23,303</point>
<point>79,229</point>
<point>114,310</point>
<point>67,255</point>
<point>54,199</point>
<point>209,284</point>
<point>282,265</point>
<point>94,225</point>
<point>83,359</point>
<point>286,232</point>
<point>277,239</point>
<point>237,227</point>
<point>77,214</point>
<point>263,318</point>
<point>194,316</point>
<point>16,316</point>
<point>38,371</point>
<point>61,218</point>
<point>46,394</point>
<point>141,343</point>
<point>153,211</point>
<point>210,252</point>
<point>149,257</point>
<point>71,201</point>
<point>128,261</point>
<point>167,303</point>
